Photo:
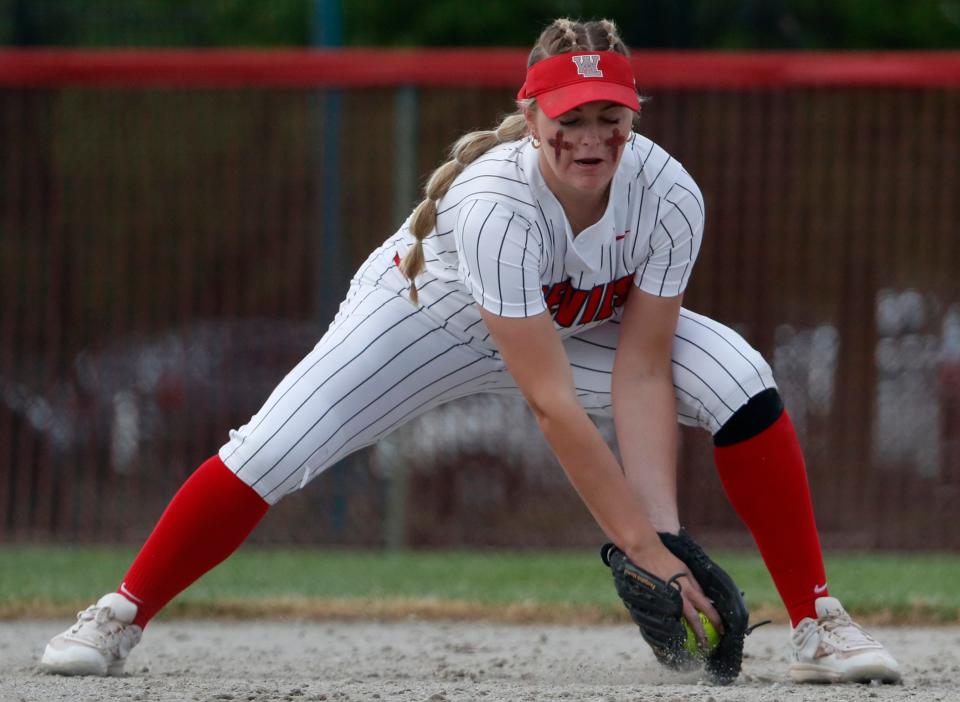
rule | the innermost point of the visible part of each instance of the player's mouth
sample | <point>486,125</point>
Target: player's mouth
<point>588,164</point>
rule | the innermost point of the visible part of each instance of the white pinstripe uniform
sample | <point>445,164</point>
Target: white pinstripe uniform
<point>501,241</point>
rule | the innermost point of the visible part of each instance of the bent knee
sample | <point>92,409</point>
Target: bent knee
<point>714,383</point>
<point>754,417</point>
<point>272,469</point>
<point>749,400</point>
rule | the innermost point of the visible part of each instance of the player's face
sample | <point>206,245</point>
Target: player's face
<point>581,148</point>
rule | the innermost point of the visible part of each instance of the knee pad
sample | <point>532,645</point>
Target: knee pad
<point>760,412</point>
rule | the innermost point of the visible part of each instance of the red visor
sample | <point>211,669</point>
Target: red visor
<point>565,81</point>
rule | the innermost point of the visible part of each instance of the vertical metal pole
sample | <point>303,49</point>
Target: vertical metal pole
<point>404,197</point>
<point>405,158</point>
<point>326,31</point>
<point>26,29</point>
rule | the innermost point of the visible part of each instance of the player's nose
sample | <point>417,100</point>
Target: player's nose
<point>590,137</point>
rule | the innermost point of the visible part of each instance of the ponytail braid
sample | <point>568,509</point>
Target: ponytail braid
<point>465,151</point>
<point>613,36</point>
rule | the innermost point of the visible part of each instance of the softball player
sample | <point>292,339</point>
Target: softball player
<point>548,260</point>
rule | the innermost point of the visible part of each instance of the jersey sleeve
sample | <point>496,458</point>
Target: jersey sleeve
<point>674,243</point>
<point>499,259</point>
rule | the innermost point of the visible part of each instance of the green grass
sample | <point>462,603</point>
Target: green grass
<point>887,587</point>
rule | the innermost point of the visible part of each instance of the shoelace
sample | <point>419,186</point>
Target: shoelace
<point>843,627</point>
<point>86,615</point>
<point>100,616</point>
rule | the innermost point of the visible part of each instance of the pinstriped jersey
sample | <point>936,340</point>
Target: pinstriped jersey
<point>502,241</point>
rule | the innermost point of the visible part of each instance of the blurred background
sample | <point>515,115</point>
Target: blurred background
<point>168,252</point>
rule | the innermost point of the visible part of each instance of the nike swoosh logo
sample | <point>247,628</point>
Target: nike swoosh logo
<point>129,595</point>
<point>817,589</point>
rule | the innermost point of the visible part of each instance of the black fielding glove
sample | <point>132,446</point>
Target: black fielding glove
<point>654,605</point>
<point>723,662</point>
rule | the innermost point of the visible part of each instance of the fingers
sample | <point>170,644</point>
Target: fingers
<point>693,619</point>
<point>665,565</point>
<point>703,604</point>
<point>694,596</point>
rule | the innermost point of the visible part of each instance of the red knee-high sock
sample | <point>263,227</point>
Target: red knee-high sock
<point>208,518</point>
<point>766,481</point>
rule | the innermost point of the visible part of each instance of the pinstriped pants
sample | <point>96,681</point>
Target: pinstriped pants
<point>383,362</point>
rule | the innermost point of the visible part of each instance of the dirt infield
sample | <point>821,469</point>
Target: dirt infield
<point>443,662</point>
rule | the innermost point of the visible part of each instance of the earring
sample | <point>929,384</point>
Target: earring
<point>536,142</point>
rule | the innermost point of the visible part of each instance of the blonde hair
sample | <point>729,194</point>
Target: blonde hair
<point>561,36</point>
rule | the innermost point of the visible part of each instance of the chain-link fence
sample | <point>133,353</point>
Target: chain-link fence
<point>165,257</point>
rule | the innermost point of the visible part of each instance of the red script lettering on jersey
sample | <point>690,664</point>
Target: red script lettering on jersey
<point>569,305</point>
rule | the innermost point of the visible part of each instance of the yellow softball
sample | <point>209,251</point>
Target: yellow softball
<point>713,638</point>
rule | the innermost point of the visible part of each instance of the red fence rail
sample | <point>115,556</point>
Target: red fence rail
<point>460,68</point>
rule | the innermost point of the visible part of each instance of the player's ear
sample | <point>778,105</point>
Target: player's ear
<point>530,116</point>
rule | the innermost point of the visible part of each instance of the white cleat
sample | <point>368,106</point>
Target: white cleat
<point>833,648</point>
<point>98,644</point>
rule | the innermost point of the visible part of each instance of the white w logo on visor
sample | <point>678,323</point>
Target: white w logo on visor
<point>587,65</point>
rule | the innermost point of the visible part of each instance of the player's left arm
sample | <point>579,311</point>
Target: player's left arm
<point>644,404</point>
